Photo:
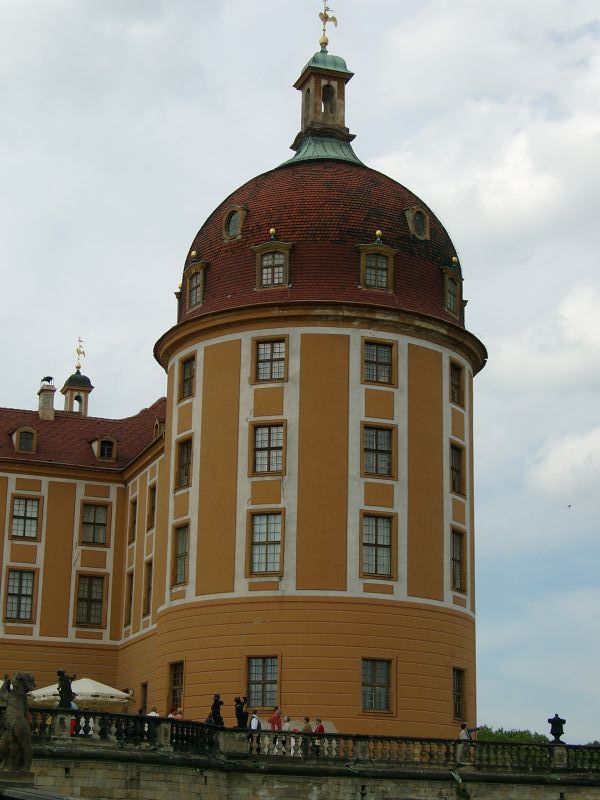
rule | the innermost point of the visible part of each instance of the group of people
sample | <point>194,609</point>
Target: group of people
<point>284,734</point>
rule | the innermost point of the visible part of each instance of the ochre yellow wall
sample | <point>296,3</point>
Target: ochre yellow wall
<point>58,559</point>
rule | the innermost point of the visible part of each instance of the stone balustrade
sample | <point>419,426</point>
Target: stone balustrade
<point>185,736</point>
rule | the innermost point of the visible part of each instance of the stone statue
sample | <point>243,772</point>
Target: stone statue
<point>215,711</point>
<point>556,727</point>
<point>241,715</point>
<point>15,744</point>
<point>65,693</point>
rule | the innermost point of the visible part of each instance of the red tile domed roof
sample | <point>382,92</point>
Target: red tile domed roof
<point>324,209</point>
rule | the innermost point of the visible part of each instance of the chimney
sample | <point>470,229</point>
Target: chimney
<point>46,395</point>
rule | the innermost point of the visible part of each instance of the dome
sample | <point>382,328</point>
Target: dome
<point>324,60</point>
<point>78,380</point>
<point>324,209</point>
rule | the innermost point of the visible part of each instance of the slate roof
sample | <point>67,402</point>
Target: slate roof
<point>325,208</point>
<point>67,439</point>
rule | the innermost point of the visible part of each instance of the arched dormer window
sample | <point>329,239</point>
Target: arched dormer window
<point>195,283</point>
<point>377,266</point>
<point>453,288</point>
<point>105,448</point>
<point>272,264</point>
<point>25,440</point>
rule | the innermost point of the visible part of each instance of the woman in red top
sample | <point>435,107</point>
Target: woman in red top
<point>319,728</point>
<point>275,720</point>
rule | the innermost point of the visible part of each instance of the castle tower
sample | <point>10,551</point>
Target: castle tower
<point>319,551</point>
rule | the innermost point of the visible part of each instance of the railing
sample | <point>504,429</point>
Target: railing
<point>351,751</point>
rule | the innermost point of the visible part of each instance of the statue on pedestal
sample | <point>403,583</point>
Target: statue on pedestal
<point>557,727</point>
<point>15,744</point>
<point>65,694</point>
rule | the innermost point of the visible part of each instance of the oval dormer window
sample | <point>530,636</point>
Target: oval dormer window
<point>420,224</point>
<point>233,224</point>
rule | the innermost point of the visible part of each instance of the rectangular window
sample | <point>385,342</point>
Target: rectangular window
<point>184,464</point>
<point>376,271</point>
<point>378,367</point>
<point>458,693</point>
<point>376,684</point>
<point>187,378</point>
<point>19,595</point>
<point>176,684</point>
<point>262,682</point>
<point>180,554</point>
<point>456,469</point>
<point>94,523</point>
<point>377,545</point>
<point>452,296</point>
<point>90,597</point>
<point>456,384</point>
<point>151,507</point>
<point>132,521</point>
<point>25,517</point>
<point>268,448</point>
<point>265,545</point>
<point>129,599</point>
<point>270,360</point>
<point>148,588</point>
<point>377,446</point>
<point>272,270</point>
<point>107,449</point>
<point>26,443</point>
<point>458,561</point>
<point>196,288</point>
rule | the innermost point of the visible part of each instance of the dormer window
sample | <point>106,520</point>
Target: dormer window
<point>159,428</point>
<point>418,222</point>
<point>453,288</point>
<point>105,449</point>
<point>272,264</point>
<point>25,440</point>
<point>232,224</point>
<point>377,266</point>
<point>195,283</point>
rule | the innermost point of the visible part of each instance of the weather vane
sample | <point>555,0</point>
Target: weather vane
<point>325,17</point>
<point>79,351</point>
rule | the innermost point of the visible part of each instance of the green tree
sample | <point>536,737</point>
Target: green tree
<point>489,734</point>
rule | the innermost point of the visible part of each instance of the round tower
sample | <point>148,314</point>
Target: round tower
<point>319,445</point>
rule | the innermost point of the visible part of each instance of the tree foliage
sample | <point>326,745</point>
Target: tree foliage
<point>489,734</point>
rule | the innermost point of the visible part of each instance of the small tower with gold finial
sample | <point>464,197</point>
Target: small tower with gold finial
<point>77,387</point>
<point>323,86</point>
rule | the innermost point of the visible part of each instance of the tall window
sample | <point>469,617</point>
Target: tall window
<point>268,448</point>
<point>196,288</point>
<point>94,524</point>
<point>458,692</point>
<point>148,588</point>
<point>19,595</point>
<point>377,444</point>
<point>187,378</point>
<point>262,682</point>
<point>376,271</point>
<point>151,507</point>
<point>456,384</point>
<point>456,469</point>
<point>90,595</point>
<point>184,463</point>
<point>132,521</point>
<point>376,686</point>
<point>378,362</point>
<point>270,360</point>
<point>25,517</point>
<point>176,684</point>
<point>266,543</point>
<point>180,554</point>
<point>452,295</point>
<point>26,442</point>
<point>272,269</point>
<point>458,566</point>
<point>107,449</point>
<point>129,598</point>
<point>377,545</point>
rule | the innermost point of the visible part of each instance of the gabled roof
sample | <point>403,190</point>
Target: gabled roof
<point>67,439</point>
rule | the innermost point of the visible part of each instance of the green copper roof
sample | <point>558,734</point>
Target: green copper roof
<point>324,60</point>
<point>316,147</point>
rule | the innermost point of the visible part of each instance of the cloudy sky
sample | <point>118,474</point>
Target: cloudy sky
<point>125,122</point>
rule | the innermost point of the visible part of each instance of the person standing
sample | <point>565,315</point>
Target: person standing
<point>462,748</point>
<point>254,737</point>
<point>305,742</point>
<point>319,729</point>
<point>275,722</point>
<point>287,729</point>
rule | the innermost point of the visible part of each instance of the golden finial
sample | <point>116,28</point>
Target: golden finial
<point>272,232</point>
<point>193,254</point>
<point>455,260</point>
<point>79,351</point>
<point>378,234</point>
<point>325,17</point>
